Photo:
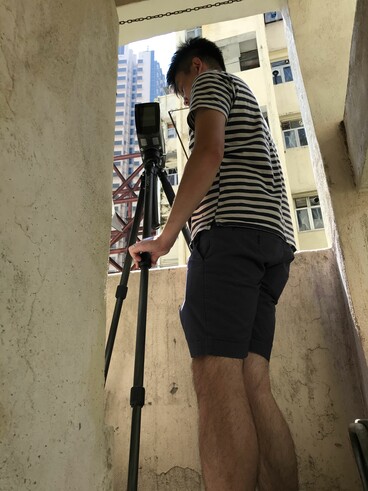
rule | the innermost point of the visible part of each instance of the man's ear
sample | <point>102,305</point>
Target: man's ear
<point>198,64</point>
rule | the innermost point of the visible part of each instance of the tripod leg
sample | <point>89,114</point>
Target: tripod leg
<point>137,393</point>
<point>122,288</point>
<point>170,195</point>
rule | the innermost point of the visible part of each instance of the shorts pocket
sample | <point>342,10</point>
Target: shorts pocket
<point>201,245</point>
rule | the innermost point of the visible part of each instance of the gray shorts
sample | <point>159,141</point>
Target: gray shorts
<point>235,277</point>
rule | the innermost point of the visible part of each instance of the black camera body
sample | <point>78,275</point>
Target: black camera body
<point>149,133</point>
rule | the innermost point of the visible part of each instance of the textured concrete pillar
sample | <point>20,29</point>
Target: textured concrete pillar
<point>57,96</point>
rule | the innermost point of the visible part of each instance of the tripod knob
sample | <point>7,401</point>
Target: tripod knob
<point>145,262</point>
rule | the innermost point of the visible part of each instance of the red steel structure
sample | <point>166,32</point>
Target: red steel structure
<point>127,193</point>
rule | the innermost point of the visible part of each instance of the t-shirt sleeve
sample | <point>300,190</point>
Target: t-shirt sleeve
<point>210,90</point>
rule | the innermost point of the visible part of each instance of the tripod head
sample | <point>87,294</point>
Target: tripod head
<point>149,134</point>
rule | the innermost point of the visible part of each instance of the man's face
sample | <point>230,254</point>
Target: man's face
<point>184,81</point>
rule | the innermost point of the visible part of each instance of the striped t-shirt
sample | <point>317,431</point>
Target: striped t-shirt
<point>249,189</point>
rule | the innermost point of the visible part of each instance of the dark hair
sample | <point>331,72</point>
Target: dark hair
<point>202,48</point>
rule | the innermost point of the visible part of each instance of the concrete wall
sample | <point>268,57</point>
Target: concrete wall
<point>321,73</point>
<point>276,39</point>
<point>315,239</point>
<point>313,372</point>
<point>287,99</point>
<point>57,103</point>
<point>355,118</point>
<point>299,170</point>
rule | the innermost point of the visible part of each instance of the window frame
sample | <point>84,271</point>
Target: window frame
<point>295,132</point>
<point>309,207</point>
<point>282,65</point>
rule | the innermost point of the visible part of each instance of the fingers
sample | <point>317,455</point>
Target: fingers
<point>136,249</point>
<point>151,245</point>
<point>134,253</point>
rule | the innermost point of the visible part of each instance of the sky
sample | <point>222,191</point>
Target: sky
<point>164,47</point>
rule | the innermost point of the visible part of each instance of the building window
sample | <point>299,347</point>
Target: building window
<point>294,133</point>
<point>249,60</point>
<point>308,213</point>
<point>281,72</point>
<point>173,176</point>
<point>171,133</point>
<point>193,33</point>
<point>248,54</point>
<point>120,104</point>
<point>272,17</point>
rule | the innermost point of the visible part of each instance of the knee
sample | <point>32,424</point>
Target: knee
<point>256,375</point>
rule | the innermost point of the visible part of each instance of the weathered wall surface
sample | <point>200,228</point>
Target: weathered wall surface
<point>57,100</point>
<point>313,374</point>
<point>355,117</point>
<point>321,81</point>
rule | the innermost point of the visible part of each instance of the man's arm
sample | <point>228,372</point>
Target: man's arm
<point>199,174</point>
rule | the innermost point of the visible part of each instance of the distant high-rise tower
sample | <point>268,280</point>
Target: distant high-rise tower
<point>139,80</point>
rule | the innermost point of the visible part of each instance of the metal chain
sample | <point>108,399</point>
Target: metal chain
<point>179,12</point>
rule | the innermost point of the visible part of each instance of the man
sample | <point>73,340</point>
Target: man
<point>233,191</point>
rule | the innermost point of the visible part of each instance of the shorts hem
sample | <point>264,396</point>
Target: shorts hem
<point>217,347</point>
<point>259,349</point>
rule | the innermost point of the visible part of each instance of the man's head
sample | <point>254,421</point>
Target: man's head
<point>192,58</point>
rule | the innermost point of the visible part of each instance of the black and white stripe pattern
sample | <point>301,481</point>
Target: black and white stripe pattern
<point>249,188</point>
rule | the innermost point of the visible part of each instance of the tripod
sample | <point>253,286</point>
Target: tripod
<point>146,206</point>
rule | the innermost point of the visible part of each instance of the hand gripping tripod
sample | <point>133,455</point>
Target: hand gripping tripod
<point>146,205</point>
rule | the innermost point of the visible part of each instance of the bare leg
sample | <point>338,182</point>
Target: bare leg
<point>227,436</point>
<point>277,465</point>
